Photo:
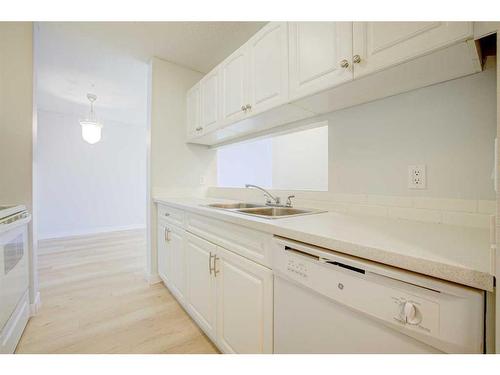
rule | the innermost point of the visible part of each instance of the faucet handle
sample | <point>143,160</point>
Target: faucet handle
<point>289,200</point>
<point>273,201</point>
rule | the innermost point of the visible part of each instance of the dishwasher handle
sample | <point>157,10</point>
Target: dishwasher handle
<point>343,265</point>
<point>324,260</point>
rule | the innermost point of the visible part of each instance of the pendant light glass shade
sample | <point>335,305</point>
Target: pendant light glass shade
<point>91,128</point>
<point>91,131</point>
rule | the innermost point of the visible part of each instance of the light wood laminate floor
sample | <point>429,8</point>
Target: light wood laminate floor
<point>95,300</point>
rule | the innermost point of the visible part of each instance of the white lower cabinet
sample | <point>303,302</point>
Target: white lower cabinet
<point>244,304</point>
<point>200,296</point>
<point>164,258</point>
<point>228,295</point>
<point>175,245</point>
<point>171,258</point>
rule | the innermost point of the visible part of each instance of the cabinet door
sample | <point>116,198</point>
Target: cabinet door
<point>209,93</point>
<point>163,254</point>
<point>317,50</point>
<point>175,248</point>
<point>244,304</point>
<point>200,293</point>
<point>382,44</point>
<point>268,67</point>
<point>234,81</point>
<point>193,111</point>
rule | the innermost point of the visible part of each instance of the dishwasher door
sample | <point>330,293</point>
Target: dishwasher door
<point>328,302</point>
<point>307,322</point>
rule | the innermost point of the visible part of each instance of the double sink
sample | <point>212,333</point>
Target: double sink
<point>263,211</point>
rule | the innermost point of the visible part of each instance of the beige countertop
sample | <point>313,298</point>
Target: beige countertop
<point>453,253</point>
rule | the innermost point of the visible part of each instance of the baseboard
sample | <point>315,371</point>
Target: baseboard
<point>152,278</point>
<point>35,306</point>
<point>85,232</point>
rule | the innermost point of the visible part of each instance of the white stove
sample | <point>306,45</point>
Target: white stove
<point>9,214</point>
<point>14,275</point>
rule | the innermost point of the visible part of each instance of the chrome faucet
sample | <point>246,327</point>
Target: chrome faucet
<point>270,197</point>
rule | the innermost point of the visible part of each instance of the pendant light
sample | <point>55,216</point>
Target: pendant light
<point>91,128</point>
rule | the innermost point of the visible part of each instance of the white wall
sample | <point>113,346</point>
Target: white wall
<point>450,127</point>
<point>300,160</point>
<point>16,113</point>
<point>175,166</point>
<point>87,188</point>
<point>17,129</point>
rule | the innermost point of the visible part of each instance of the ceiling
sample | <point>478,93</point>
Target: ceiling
<point>110,59</point>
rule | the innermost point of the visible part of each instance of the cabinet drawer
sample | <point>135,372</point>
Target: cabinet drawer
<point>249,243</point>
<point>171,215</point>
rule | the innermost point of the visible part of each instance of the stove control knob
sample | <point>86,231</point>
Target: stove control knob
<point>411,314</point>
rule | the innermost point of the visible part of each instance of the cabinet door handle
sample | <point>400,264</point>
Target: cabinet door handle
<point>167,234</point>
<point>215,265</point>
<point>344,64</point>
<point>248,107</point>
<point>210,263</point>
<point>199,128</point>
<point>356,59</point>
<point>244,108</point>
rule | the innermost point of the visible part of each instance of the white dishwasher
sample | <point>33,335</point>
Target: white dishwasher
<point>327,302</point>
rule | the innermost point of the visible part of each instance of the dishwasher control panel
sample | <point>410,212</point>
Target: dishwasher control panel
<point>415,313</point>
<point>297,267</point>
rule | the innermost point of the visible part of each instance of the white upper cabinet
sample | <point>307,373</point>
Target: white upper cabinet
<point>320,56</point>
<point>378,45</point>
<point>209,101</point>
<point>234,86</point>
<point>288,72</point>
<point>193,111</point>
<point>268,67</point>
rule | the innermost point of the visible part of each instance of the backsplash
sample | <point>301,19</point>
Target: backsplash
<point>462,212</point>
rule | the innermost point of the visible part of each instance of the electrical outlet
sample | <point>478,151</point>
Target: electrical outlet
<point>416,177</point>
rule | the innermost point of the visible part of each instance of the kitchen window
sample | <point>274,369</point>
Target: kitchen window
<point>293,161</point>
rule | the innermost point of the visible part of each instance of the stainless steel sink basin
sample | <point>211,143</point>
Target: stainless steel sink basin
<point>232,206</point>
<point>260,210</point>
<point>277,212</point>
